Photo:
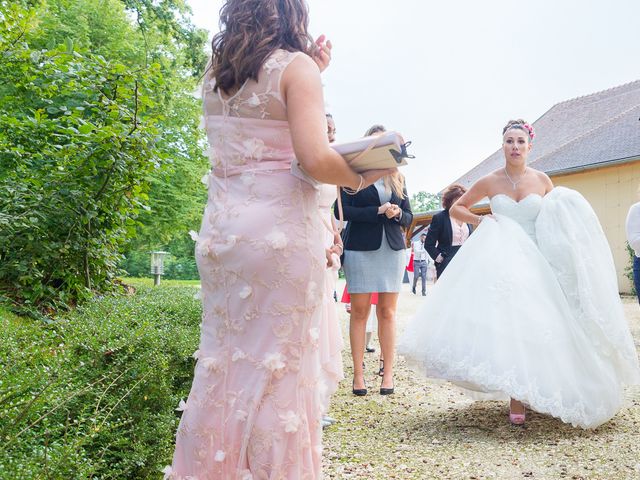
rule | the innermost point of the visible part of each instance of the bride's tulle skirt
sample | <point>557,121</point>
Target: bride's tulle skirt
<point>498,321</point>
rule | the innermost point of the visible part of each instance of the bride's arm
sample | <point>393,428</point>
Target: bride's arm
<point>548,183</point>
<point>461,209</point>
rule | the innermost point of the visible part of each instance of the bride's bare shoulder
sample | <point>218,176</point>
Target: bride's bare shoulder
<point>544,179</point>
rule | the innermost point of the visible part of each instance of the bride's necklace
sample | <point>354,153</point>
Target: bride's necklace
<point>515,184</point>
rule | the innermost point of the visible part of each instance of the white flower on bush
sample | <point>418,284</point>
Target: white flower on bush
<point>194,235</point>
<point>182,406</point>
<point>197,295</point>
<point>238,355</point>
<point>205,178</point>
<point>196,354</point>
<point>219,456</point>
<point>274,361</point>
<point>277,239</point>
<point>245,292</point>
<point>291,421</point>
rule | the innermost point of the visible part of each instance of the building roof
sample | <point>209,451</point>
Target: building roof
<point>585,132</point>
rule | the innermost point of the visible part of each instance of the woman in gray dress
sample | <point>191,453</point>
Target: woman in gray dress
<point>374,261</point>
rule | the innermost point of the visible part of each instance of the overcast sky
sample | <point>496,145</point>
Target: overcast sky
<point>448,75</point>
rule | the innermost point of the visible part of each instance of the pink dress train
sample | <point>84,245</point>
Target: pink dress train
<point>258,394</point>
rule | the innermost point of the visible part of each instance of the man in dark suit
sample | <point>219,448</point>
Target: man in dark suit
<point>440,236</point>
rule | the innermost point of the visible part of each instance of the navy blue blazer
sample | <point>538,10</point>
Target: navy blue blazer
<point>440,237</point>
<point>365,228</point>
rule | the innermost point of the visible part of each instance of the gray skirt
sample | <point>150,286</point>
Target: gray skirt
<point>379,270</point>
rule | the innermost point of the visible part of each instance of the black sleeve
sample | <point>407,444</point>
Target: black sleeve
<point>432,236</point>
<point>368,214</point>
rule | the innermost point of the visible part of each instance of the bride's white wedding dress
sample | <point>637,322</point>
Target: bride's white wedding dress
<point>529,308</point>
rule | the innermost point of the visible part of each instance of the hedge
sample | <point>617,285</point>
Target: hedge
<point>93,393</point>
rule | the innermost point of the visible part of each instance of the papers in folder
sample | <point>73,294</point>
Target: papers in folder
<point>377,151</point>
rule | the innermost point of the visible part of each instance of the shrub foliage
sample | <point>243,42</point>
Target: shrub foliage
<point>93,394</point>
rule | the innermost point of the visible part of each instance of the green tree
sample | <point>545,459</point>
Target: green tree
<point>88,131</point>
<point>422,202</point>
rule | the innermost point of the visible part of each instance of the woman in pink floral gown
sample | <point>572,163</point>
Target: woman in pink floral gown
<point>256,402</point>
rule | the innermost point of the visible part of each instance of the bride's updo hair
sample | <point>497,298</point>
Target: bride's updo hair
<point>519,124</point>
<point>250,31</point>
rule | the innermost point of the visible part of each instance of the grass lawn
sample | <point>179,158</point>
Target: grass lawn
<point>148,282</point>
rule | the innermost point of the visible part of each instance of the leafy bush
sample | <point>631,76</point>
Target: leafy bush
<point>88,131</point>
<point>92,394</point>
<point>628,270</point>
<point>73,163</point>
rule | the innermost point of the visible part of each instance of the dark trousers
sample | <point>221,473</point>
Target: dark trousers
<point>420,270</point>
<point>636,275</point>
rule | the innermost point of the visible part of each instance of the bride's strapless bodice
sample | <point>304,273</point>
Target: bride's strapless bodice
<point>525,212</point>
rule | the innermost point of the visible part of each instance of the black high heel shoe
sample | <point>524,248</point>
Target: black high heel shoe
<point>386,391</point>
<point>358,392</point>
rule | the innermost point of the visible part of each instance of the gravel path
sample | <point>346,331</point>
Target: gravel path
<point>430,430</point>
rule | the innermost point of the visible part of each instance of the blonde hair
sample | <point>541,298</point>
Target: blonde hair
<point>395,183</point>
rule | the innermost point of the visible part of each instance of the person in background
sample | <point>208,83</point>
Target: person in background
<point>331,128</point>
<point>372,321</point>
<point>374,262</point>
<point>633,237</point>
<point>409,267</point>
<point>330,337</point>
<point>420,264</point>
<point>446,234</point>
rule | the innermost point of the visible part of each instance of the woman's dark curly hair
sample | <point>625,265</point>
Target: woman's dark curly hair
<point>250,30</point>
<point>451,194</point>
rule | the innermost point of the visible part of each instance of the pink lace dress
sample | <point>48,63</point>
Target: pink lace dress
<point>331,341</point>
<point>257,398</point>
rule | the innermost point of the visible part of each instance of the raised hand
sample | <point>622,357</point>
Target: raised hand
<point>321,52</point>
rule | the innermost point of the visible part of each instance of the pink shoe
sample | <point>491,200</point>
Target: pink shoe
<point>517,418</point>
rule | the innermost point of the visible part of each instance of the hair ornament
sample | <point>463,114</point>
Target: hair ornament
<point>529,129</point>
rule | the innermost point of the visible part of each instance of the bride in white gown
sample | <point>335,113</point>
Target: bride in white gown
<point>529,308</point>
